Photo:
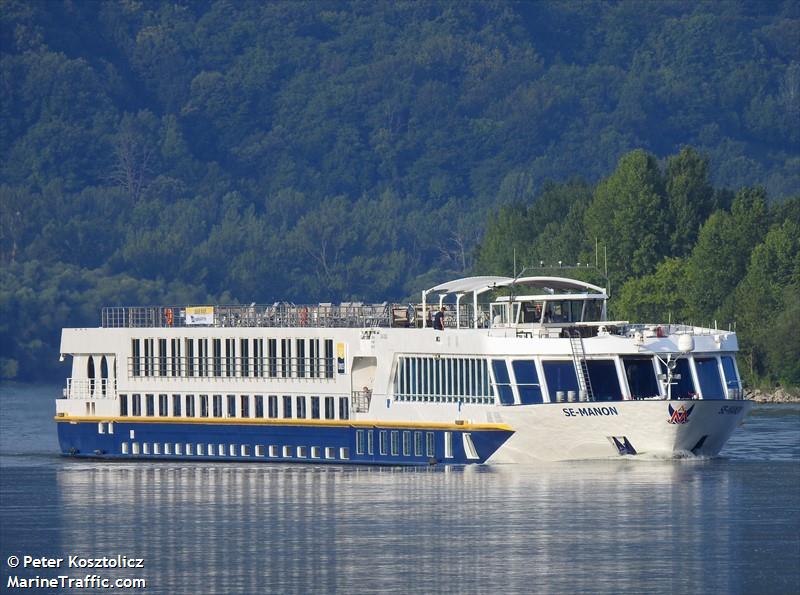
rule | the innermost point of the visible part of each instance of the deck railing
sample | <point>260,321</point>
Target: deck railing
<point>88,388</point>
<point>276,315</point>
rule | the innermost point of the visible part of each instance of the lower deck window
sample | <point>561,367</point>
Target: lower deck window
<point>560,377</point>
<point>605,382</point>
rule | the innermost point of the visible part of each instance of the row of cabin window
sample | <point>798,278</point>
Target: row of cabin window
<point>389,443</point>
<point>446,379</point>
<point>234,450</point>
<point>640,375</point>
<point>242,358</point>
<point>235,406</point>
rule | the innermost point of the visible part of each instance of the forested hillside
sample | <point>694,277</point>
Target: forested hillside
<point>222,151</point>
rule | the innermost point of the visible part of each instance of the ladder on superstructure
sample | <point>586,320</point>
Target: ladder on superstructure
<point>581,368</point>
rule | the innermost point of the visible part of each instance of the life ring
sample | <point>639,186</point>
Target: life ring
<point>303,316</point>
<point>169,317</point>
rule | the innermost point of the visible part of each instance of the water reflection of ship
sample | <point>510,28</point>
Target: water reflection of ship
<point>291,529</point>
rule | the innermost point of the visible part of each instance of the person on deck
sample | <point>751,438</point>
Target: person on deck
<point>438,320</point>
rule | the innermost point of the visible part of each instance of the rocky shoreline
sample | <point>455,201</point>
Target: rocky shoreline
<point>778,395</point>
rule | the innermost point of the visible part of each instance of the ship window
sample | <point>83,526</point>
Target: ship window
<point>190,363</point>
<point>136,361</point>
<point>272,357</point>
<point>150,405</point>
<point>216,357</point>
<point>301,358</point>
<point>641,377</point>
<point>188,448</point>
<point>178,448</point>
<point>344,453</point>
<point>302,452</point>
<point>231,405</point>
<point>176,405</point>
<point>156,448</point>
<point>148,357</point>
<point>123,405</point>
<point>124,448</point>
<point>244,360</point>
<point>101,428</point>
<point>370,442</point>
<point>406,443</point>
<point>359,442</point>
<point>395,443</point>
<point>245,450</point>
<point>163,405</point>
<point>259,406</point>
<point>287,406</point>
<point>232,450</point>
<point>344,408</point>
<point>203,405</point>
<point>560,376</point>
<point>162,357</point>
<point>111,427</point>
<point>328,358</point>
<point>286,358</point>
<point>273,451</point>
<point>272,406</point>
<point>314,407</point>
<point>315,452</point>
<point>729,367</point>
<point>301,407</point>
<point>683,387</point>
<point>708,375</point>
<point>175,357</point>
<point>230,357</point>
<point>329,408</point>
<point>202,357</point>
<point>527,381</point>
<point>382,446</point>
<point>189,405</point>
<point>210,450</point>
<point>417,444</point>
<point>448,445</point>
<point>137,405</point>
<point>258,357</point>
<point>313,357</point>
<point>244,405</point>
<point>217,406</point>
<point>504,392</point>
<point>430,444</point>
<point>259,450</point>
<point>220,450</point>
<point>200,450</point>
<point>605,382</point>
<point>330,452</point>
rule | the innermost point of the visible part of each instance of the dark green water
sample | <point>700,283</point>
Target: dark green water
<point>726,525</point>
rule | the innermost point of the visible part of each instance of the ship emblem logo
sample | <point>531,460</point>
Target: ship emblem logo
<point>679,415</point>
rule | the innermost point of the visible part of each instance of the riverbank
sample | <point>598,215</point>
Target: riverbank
<point>778,395</point>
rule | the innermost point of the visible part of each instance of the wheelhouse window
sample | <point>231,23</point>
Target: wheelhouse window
<point>641,377</point>
<point>683,385</point>
<point>708,376</point>
<point>527,381</point>
<point>731,377</point>
<point>604,379</point>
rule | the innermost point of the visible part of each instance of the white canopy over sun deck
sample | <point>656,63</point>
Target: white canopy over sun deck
<point>477,285</point>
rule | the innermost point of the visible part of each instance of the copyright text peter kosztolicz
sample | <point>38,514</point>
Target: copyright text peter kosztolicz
<point>66,570</point>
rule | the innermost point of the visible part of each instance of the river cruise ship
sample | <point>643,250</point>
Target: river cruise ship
<point>483,370</point>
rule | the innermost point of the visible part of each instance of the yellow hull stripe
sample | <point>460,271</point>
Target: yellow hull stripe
<point>284,422</point>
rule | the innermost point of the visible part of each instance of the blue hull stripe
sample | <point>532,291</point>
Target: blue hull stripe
<point>338,444</point>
